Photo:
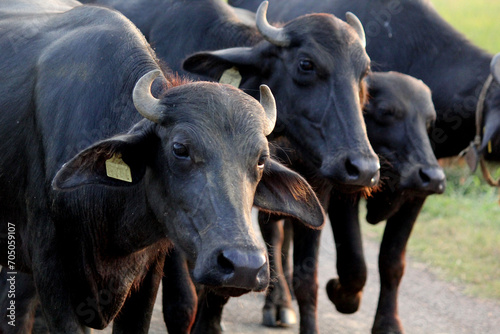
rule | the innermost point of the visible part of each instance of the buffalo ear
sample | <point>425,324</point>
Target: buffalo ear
<point>119,161</point>
<point>283,191</point>
<point>214,63</point>
<point>495,67</point>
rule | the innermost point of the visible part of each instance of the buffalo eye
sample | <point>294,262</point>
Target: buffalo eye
<point>180,151</point>
<point>262,161</point>
<point>306,65</point>
<point>388,112</point>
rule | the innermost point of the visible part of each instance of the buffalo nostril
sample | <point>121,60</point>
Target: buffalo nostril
<point>351,169</point>
<point>225,265</point>
<point>432,179</point>
<point>241,263</point>
<point>424,177</point>
<point>241,268</point>
<point>363,171</point>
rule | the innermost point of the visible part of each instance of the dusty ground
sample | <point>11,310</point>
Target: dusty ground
<point>427,305</point>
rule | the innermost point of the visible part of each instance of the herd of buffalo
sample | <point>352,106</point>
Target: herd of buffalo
<point>136,136</point>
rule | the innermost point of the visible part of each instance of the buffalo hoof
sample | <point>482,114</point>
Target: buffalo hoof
<point>269,317</point>
<point>281,317</point>
<point>387,325</point>
<point>344,302</point>
<point>287,317</point>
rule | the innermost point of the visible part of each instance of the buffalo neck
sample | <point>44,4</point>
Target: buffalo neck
<point>455,76</point>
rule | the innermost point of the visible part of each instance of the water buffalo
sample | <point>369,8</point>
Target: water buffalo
<point>314,65</point>
<point>409,36</point>
<point>398,119</point>
<point>398,116</point>
<point>106,160</point>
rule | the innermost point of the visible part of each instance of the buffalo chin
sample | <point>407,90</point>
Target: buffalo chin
<point>229,291</point>
<point>353,190</point>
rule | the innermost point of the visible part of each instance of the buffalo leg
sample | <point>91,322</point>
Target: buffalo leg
<point>285,253</point>
<point>209,315</point>
<point>50,281</point>
<point>20,320</point>
<point>278,305</point>
<point>55,303</point>
<point>346,291</point>
<point>305,275</point>
<point>392,264</point>
<point>135,315</point>
<point>179,294</point>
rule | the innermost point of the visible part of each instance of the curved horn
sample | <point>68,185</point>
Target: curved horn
<point>276,36</point>
<point>145,103</point>
<point>358,27</point>
<point>495,67</point>
<point>269,104</point>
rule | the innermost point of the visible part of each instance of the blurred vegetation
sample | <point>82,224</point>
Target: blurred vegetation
<point>478,20</point>
<point>458,233</point>
<point>461,182</point>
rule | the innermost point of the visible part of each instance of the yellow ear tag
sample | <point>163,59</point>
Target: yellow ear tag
<point>116,168</point>
<point>489,147</point>
<point>231,77</point>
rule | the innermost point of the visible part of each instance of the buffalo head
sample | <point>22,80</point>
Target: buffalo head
<point>315,65</point>
<point>200,160</point>
<point>398,117</point>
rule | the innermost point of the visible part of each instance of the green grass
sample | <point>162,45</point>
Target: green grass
<point>458,233</point>
<point>463,241</point>
<point>478,20</point>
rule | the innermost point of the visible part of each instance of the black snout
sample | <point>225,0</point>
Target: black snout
<point>362,171</point>
<point>234,268</point>
<point>427,179</point>
<point>431,179</point>
<point>353,171</point>
<point>242,268</point>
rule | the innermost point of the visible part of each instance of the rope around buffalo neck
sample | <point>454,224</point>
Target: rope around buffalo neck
<point>477,139</point>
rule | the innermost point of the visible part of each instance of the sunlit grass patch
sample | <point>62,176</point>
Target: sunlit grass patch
<point>478,20</point>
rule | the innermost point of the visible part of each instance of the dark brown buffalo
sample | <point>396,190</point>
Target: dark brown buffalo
<point>315,66</point>
<point>398,117</point>
<point>99,175</point>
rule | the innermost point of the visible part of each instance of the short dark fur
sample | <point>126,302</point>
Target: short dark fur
<point>398,115</point>
<point>419,42</point>
<point>319,111</point>
<point>412,38</point>
<point>93,246</point>
<point>327,95</point>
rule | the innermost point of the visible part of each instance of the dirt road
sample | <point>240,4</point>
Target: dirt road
<point>427,305</point>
